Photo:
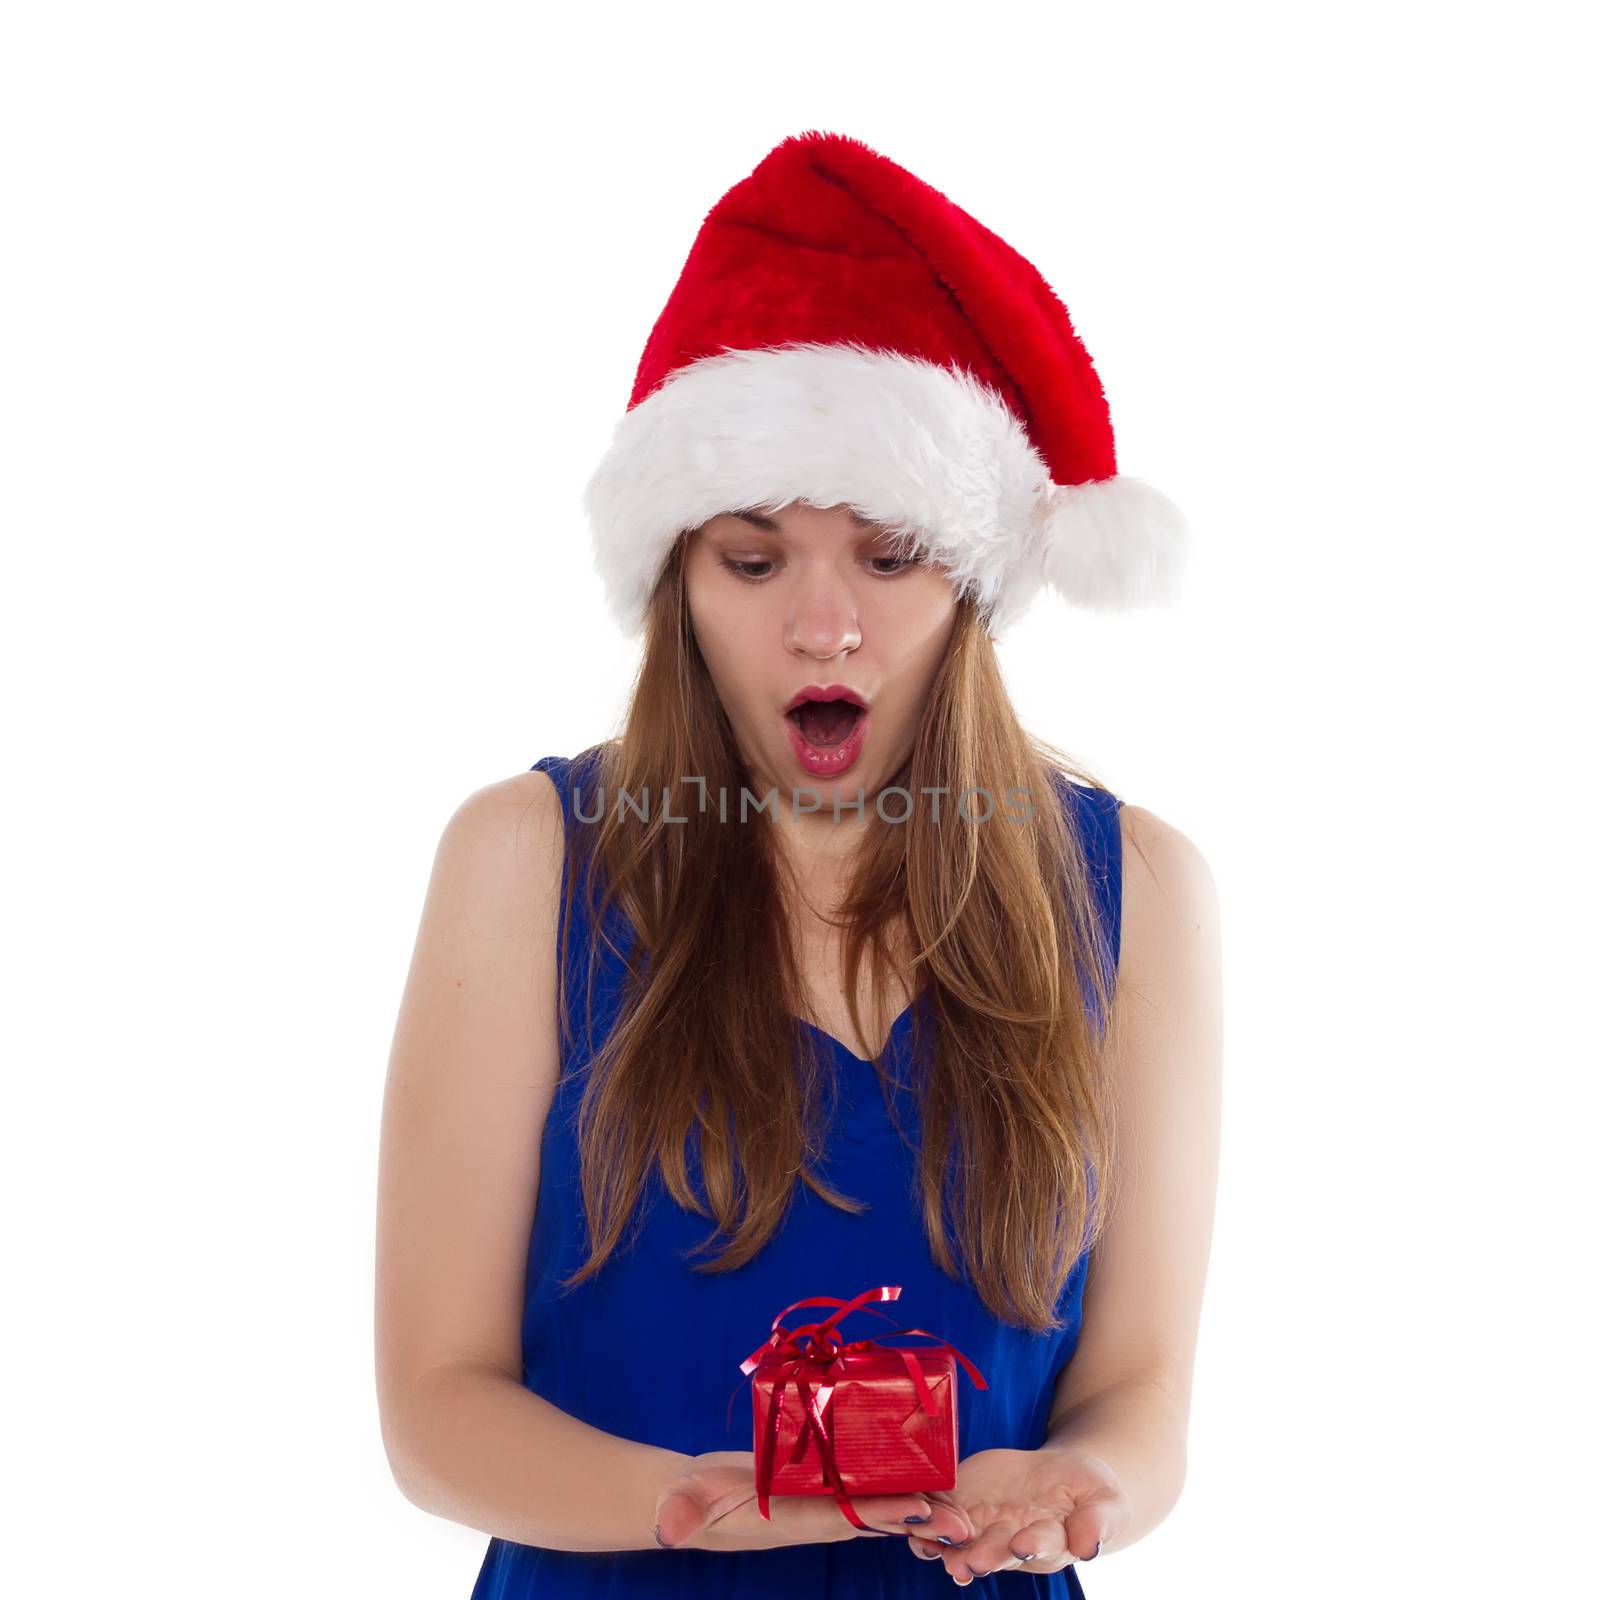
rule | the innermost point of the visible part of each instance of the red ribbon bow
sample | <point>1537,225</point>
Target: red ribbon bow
<point>818,1364</point>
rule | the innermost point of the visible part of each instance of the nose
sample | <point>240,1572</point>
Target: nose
<point>824,621</point>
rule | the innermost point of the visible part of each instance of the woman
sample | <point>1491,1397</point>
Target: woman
<point>824,974</point>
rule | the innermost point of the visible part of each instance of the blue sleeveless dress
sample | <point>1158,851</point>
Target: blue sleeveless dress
<point>581,1349</point>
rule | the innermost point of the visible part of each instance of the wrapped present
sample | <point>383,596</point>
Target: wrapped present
<point>852,1418</point>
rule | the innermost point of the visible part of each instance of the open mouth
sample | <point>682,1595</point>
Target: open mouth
<point>825,724</point>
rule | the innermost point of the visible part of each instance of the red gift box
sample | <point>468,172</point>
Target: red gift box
<point>859,1418</point>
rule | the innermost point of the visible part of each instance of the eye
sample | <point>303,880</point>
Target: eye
<point>899,563</point>
<point>759,571</point>
<point>741,569</point>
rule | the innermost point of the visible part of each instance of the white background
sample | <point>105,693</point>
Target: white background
<point>316,317</point>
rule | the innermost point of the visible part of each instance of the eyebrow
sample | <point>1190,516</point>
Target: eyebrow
<point>767,525</point>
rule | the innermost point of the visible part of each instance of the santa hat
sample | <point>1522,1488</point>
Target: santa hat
<point>843,334</point>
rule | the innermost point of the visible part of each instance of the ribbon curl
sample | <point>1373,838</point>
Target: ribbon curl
<point>814,1368</point>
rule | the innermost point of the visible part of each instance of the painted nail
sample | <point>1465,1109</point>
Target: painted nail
<point>950,1542</point>
<point>1097,1544</point>
<point>919,1519</point>
<point>659,1540</point>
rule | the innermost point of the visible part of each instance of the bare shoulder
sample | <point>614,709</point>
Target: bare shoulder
<point>513,823</point>
<point>1157,855</point>
<point>1169,894</point>
<point>497,868</point>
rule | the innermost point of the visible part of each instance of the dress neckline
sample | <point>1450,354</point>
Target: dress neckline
<point>844,1050</point>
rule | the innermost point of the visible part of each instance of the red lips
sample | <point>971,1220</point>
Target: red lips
<point>832,691</point>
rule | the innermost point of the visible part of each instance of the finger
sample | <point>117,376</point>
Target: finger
<point>940,1521</point>
<point>927,1550</point>
<point>1087,1530</point>
<point>896,1514</point>
<point>1095,1520</point>
<point>989,1552</point>
<point>679,1517</point>
<point>1041,1545</point>
<point>963,1530</point>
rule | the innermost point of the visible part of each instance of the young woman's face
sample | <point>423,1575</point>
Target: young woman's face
<point>816,597</point>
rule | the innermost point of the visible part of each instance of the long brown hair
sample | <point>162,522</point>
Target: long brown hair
<point>1000,937</point>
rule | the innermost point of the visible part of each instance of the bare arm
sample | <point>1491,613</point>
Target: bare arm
<point>471,1078</point>
<point>1125,1394</point>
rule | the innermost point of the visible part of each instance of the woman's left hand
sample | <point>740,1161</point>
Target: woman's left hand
<point>1033,1511</point>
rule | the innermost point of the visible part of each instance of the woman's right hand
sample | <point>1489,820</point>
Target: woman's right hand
<point>710,1504</point>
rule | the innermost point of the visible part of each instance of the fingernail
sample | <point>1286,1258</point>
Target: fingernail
<point>1097,1544</point>
<point>919,1519</point>
<point>659,1540</point>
